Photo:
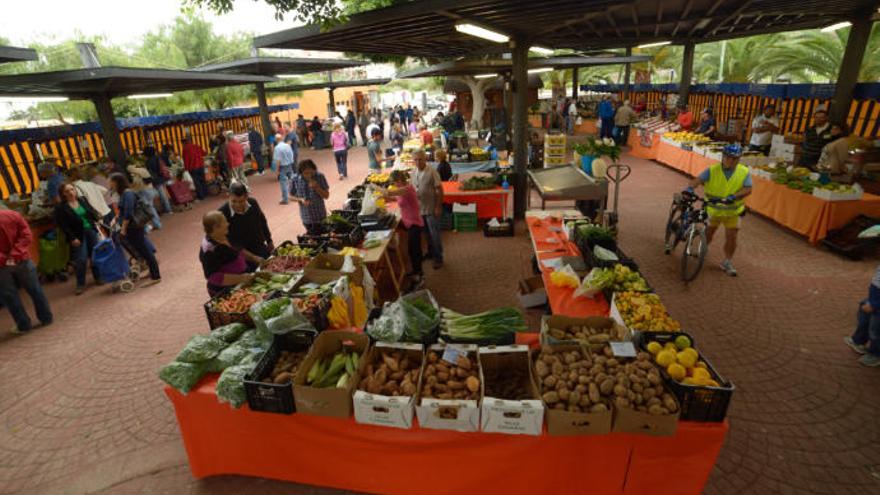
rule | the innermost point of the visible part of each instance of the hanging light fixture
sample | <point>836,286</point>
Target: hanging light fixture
<point>481,32</point>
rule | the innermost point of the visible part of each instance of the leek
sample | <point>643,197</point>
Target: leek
<point>492,325</point>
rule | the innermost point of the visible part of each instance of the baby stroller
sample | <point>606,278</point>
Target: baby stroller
<point>116,262</point>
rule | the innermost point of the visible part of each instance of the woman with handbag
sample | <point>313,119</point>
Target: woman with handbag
<point>132,219</point>
<point>78,220</point>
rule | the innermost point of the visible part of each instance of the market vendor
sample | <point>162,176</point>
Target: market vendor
<point>443,166</point>
<point>222,264</point>
<point>426,135</point>
<point>707,125</point>
<point>763,127</point>
<point>815,139</point>
<point>248,227</point>
<point>429,189</point>
<point>835,155</point>
<point>50,173</point>
<point>728,183</point>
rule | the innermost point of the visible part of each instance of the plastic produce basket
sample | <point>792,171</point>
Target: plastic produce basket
<point>275,397</point>
<point>698,402</point>
<point>503,230</point>
<point>465,222</point>
<point>447,221</point>
<point>594,262</point>
<point>318,247</point>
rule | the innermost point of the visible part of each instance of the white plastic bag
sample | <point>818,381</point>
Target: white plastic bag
<point>342,290</point>
<point>586,287</point>
<point>368,206</point>
<point>369,289</point>
<point>348,265</point>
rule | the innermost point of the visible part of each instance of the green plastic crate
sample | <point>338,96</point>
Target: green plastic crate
<point>447,222</point>
<point>465,222</point>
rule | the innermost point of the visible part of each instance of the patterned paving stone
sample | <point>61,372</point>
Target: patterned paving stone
<point>82,411</point>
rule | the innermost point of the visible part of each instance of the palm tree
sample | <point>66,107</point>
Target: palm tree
<point>739,59</point>
<point>667,57</point>
<point>810,56</point>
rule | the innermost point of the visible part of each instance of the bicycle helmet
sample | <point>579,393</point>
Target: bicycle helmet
<point>732,150</point>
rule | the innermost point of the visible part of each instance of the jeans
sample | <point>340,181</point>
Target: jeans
<point>258,157</point>
<point>198,176</point>
<point>569,124</point>
<point>163,197</point>
<point>622,132</point>
<point>435,242</point>
<point>868,329</point>
<point>285,175</point>
<point>607,130</point>
<point>83,254</point>
<point>414,245</point>
<point>23,275</point>
<point>148,195</point>
<point>144,250</point>
<point>341,162</point>
<point>239,176</point>
<point>351,137</point>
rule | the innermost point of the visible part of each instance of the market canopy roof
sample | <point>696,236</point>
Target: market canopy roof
<point>327,85</point>
<point>272,66</point>
<point>488,66</point>
<point>117,81</point>
<point>16,54</point>
<point>452,85</point>
<point>428,26</point>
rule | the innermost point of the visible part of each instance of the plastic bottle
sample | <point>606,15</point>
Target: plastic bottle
<point>504,183</point>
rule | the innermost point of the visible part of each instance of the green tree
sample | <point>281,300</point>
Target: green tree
<point>739,57</point>
<point>324,12</point>
<point>814,56</point>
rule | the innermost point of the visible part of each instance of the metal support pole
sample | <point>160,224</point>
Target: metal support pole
<point>687,73</point>
<point>332,104</point>
<point>112,141</point>
<point>520,48</point>
<point>848,75</point>
<point>626,74</point>
<point>574,83</point>
<point>264,110</point>
<point>508,111</point>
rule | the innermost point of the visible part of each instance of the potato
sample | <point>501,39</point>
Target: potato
<point>652,401</point>
<point>442,367</point>
<point>669,402</point>
<point>550,398</point>
<point>445,396</point>
<point>407,388</point>
<point>593,392</point>
<point>374,387</point>
<point>393,363</point>
<point>563,394</point>
<point>574,397</point>
<point>620,390</point>
<point>583,379</point>
<point>390,388</point>
<point>581,389</point>
<point>655,409</point>
<point>283,377</point>
<point>621,402</point>
<point>441,387</point>
<point>472,383</point>
<point>572,375</point>
<point>598,408</point>
<point>442,376</point>
<point>559,405</point>
<point>649,393</point>
<point>570,357</point>
<point>573,408</point>
<point>654,378</point>
<point>463,362</point>
<point>550,381</point>
<point>380,377</point>
<point>557,368</point>
<point>397,375</point>
<point>462,373</point>
<point>584,401</point>
<point>455,385</point>
<point>541,368</point>
<point>433,357</point>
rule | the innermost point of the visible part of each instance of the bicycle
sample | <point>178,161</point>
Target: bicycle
<point>688,223</point>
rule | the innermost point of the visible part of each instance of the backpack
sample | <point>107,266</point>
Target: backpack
<point>141,215</point>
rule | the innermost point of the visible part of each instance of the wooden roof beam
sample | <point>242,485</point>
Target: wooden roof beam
<point>613,24</point>
<point>684,14</point>
<point>735,14</point>
<point>659,18</point>
<point>635,17</point>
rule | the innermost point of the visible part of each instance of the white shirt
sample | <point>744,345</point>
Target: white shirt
<point>573,110</point>
<point>94,194</point>
<point>370,130</point>
<point>762,138</point>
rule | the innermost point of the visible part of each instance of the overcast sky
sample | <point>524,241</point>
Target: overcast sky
<point>121,21</point>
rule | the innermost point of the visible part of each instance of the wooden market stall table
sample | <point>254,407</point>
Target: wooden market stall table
<point>343,454</point>
<point>803,213</point>
<point>379,260</point>
<point>491,203</point>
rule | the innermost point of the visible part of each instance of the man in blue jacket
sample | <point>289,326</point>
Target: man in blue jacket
<point>866,339</point>
<point>606,116</point>
<point>255,143</point>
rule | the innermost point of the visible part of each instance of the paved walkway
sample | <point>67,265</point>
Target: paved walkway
<point>82,411</point>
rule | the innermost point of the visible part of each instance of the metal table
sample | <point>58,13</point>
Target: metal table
<point>565,182</point>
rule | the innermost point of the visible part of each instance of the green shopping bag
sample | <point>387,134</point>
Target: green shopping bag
<point>54,252</point>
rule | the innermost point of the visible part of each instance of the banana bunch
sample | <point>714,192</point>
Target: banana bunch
<point>338,314</point>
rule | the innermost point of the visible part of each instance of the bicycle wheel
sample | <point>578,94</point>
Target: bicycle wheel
<point>673,229</point>
<point>694,254</point>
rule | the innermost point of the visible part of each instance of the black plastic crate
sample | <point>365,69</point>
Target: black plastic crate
<point>275,397</point>
<point>593,261</point>
<point>698,402</point>
<point>318,316</point>
<point>506,229</point>
<point>845,241</point>
<point>609,293</point>
<point>353,238</point>
<point>349,214</point>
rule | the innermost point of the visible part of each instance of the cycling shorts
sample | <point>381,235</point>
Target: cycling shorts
<point>729,222</point>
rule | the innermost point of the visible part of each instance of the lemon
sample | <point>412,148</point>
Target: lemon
<point>686,359</point>
<point>713,383</point>
<point>665,358</point>
<point>654,347</point>
<point>682,342</point>
<point>701,364</point>
<point>693,352</point>
<point>702,374</point>
<point>670,346</point>
<point>688,381</point>
<point>677,372</point>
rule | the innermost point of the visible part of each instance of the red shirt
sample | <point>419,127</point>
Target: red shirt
<point>427,137</point>
<point>15,237</point>
<point>193,157</point>
<point>686,120</point>
<point>234,153</point>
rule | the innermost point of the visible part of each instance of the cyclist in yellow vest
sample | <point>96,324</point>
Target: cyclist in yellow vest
<point>726,184</point>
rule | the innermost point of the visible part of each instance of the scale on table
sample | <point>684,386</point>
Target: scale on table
<point>458,148</point>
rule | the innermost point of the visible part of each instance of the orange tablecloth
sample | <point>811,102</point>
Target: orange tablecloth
<point>342,454</point>
<point>490,203</point>
<point>635,145</point>
<point>561,299</point>
<point>803,213</point>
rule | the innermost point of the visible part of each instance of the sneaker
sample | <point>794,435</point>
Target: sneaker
<point>79,291</point>
<point>728,268</point>
<point>17,331</point>
<point>859,348</point>
<point>870,360</point>
<point>283,202</point>
<point>438,264</point>
<point>152,281</point>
